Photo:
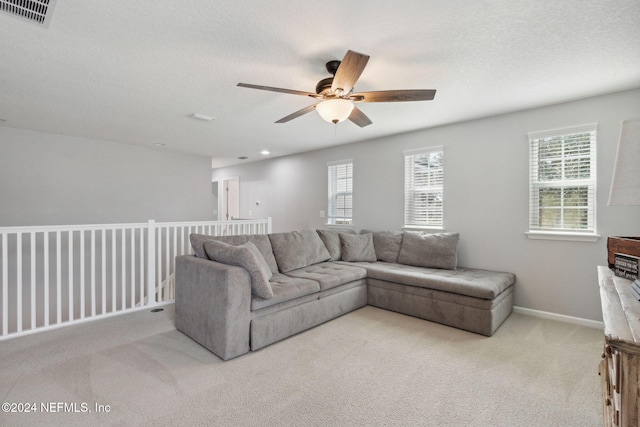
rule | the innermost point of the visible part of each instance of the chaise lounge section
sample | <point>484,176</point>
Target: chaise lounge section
<point>242,293</point>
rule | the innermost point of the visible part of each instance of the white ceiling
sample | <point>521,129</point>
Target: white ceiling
<point>133,71</point>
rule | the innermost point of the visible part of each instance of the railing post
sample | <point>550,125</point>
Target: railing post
<point>151,263</point>
<point>268,225</point>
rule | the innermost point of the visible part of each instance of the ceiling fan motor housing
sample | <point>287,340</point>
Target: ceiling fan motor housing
<point>324,85</point>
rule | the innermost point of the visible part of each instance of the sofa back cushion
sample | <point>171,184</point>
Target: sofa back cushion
<point>429,250</point>
<point>357,247</point>
<point>261,241</point>
<point>298,249</point>
<point>386,244</point>
<point>246,256</point>
<point>331,240</point>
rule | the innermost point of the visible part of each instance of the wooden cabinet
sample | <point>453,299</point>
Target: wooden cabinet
<point>620,364</point>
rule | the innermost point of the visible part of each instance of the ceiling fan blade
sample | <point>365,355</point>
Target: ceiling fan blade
<point>359,118</point>
<point>281,90</point>
<point>298,113</point>
<point>395,95</point>
<point>349,71</point>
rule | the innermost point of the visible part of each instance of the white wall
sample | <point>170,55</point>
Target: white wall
<point>486,196</point>
<point>48,179</point>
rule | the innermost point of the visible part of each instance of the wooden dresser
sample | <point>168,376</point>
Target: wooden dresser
<point>620,365</point>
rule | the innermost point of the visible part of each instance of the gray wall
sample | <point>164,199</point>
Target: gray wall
<point>486,196</point>
<point>48,179</point>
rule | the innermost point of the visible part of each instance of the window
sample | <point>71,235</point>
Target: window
<point>340,206</point>
<point>423,188</point>
<point>562,189</point>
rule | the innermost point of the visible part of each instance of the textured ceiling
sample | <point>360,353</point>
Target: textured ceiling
<point>133,71</point>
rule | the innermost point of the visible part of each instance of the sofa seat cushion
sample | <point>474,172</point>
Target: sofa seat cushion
<point>472,282</point>
<point>409,292</point>
<point>330,274</point>
<point>285,288</point>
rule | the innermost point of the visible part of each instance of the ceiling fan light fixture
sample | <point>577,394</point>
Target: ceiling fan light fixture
<point>335,110</point>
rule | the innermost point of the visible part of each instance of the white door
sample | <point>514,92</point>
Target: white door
<point>230,199</point>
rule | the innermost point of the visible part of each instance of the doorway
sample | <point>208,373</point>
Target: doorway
<point>229,199</point>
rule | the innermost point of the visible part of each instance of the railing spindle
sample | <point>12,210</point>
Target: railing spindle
<point>142,268</point>
<point>33,280</point>
<point>70,275</point>
<point>58,277</point>
<point>151,279</point>
<point>167,266</point>
<point>46,278</point>
<point>133,268</point>
<point>113,270</point>
<point>5,284</point>
<point>82,275</point>
<point>123,269</point>
<point>103,269</point>
<point>19,281</point>
<point>93,272</point>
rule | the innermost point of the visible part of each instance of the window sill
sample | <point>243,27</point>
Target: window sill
<point>340,226</point>
<point>423,228</point>
<point>560,235</point>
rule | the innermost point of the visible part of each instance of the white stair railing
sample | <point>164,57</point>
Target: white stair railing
<point>59,275</point>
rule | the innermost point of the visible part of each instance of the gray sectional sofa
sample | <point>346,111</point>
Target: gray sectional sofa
<point>242,293</point>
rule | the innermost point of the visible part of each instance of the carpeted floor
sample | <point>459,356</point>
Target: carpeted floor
<point>368,368</point>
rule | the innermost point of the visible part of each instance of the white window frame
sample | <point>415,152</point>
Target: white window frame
<point>561,231</point>
<point>430,216</point>
<point>334,215</point>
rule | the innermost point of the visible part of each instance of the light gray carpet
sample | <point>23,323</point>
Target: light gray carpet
<point>370,367</point>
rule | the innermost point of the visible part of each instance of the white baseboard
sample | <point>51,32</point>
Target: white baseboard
<point>559,317</point>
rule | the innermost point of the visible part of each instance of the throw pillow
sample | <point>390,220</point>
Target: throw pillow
<point>332,241</point>
<point>297,249</point>
<point>387,244</point>
<point>261,241</point>
<point>430,250</point>
<point>357,247</point>
<point>246,256</point>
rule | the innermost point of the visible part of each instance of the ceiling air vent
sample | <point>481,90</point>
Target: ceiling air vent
<point>36,11</point>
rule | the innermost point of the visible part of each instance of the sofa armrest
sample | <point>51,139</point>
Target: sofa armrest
<point>213,305</point>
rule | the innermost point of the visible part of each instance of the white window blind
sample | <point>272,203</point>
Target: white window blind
<point>423,188</point>
<point>562,191</point>
<point>340,204</point>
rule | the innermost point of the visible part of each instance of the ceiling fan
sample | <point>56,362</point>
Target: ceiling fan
<point>335,94</point>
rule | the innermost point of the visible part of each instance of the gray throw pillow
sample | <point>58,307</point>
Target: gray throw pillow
<point>357,247</point>
<point>298,249</point>
<point>246,256</point>
<point>261,241</point>
<point>387,244</point>
<point>429,250</point>
<point>332,241</point>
